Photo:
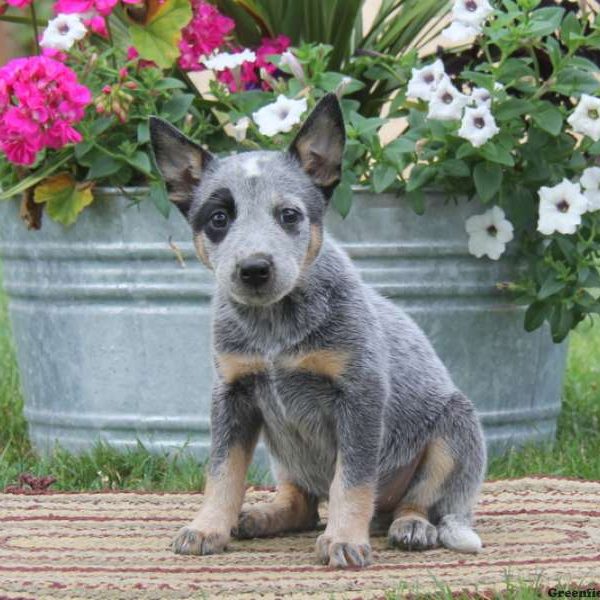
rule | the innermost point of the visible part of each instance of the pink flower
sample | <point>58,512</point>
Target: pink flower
<point>73,6</point>
<point>202,35</point>
<point>98,25</point>
<point>19,3</point>
<point>55,54</point>
<point>249,77</point>
<point>40,101</point>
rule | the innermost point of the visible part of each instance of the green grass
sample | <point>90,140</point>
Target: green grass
<point>575,452</point>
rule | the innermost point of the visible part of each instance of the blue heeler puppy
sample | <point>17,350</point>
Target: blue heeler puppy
<point>351,399</point>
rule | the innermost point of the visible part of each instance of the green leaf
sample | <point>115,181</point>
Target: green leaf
<point>402,145</point>
<point>548,117</point>
<point>416,199</point>
<point>419,176</point>
<point>100,125</point>
<point>329,82</point>
<point>141,162</point>
<point>455,168</point>
<point>512,108</point>
<point>103,166</point>
<point>497,154</point>
<point>550,287</point>
<point>488,179</point>
<point>170,83</point>
<point>383,177</point>
<point>545,21</point>
<point>158,38</point>
<point>63,197</point>
<point>143,133</point>
<point>561,322</point>
<point>536,314</point>
<point>342,198</point>
<point>176,108</point>
<point>160,198</point>
<point>571,81</point>
<point>465,150</point>
<point>35,177</point>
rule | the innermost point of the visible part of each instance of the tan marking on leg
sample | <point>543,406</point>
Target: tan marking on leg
<point>210,531</point>
<point>436,467</point>
<point>316,240</point>
<point>292,509</point>
<point>345,541</point>
<point>234,366</point>
<point>328,363</point>
<point>201,249</point>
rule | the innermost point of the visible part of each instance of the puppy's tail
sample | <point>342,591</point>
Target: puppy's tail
<point>455,533</point>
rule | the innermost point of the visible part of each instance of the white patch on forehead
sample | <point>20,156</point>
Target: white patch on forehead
<point>251,167</point>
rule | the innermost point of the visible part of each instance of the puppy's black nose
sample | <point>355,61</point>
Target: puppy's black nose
<point>255,271</point>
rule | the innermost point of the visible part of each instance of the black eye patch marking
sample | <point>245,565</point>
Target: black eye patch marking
<point>215,215</point>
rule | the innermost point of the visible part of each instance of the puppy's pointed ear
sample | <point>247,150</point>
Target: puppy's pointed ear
<point>180,161</point>
<point>319,145</point>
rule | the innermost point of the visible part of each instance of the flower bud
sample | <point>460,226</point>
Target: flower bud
<point>289,60</point>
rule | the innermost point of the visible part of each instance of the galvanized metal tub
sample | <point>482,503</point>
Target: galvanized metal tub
<point>112,333</point>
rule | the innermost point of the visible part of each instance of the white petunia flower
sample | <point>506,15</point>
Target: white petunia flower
<point>478,125</point>
<point>225,60</point>
<point>289,60</point>
<point>424,81</point>
<point>586,117</point>
<point>62,32</point>
<point>238,129</point>
<point>471,12</point>
<point>279,116</point>
<point>460,33</point>
<point>590,181</point>
<point>447,102</point>
<point>481,97</point>
<point>561,208</point>
<point>489,233</point>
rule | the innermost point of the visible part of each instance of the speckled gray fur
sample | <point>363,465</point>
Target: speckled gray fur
<point>394,396</point>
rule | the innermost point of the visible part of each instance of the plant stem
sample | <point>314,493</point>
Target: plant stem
<point>34,27</point>
<point>21,20</point>
<point>111,42</point>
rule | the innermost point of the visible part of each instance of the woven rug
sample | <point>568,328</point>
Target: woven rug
<point>114,545</point>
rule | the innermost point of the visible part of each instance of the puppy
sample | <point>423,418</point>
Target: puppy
<point>352,401</point>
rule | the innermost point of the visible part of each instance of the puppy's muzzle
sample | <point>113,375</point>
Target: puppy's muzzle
<point>255,271</point>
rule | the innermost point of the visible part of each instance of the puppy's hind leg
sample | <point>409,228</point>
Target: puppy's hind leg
<point>453,512</point>
<point>437,507</point>
<point>292,509</point>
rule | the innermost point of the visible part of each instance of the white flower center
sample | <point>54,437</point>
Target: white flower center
<point>283,113</point>
<point>428,78</point>
<point>479,122</point>
<point>593,114</point>
<point>563,206</point>
<point>492,230</point>
<point>63,29</point>
<point>471,5</point>
<point>447,98</point>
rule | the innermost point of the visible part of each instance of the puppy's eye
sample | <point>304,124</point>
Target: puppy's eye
<point>289,216</point>
<point>219,219</point>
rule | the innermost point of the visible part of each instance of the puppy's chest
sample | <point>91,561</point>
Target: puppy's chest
<point>294,391</point>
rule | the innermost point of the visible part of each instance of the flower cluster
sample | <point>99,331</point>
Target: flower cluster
<point>205,33</point>
<point>92,12</point>
<point>255,73</point>
<point>40,101</point>
<point>446,103</point>
<point>468,16</point>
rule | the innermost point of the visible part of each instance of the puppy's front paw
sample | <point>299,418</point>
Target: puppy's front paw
<point>341,555</point>
<point>412,534</point>
<point>193,541</point>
